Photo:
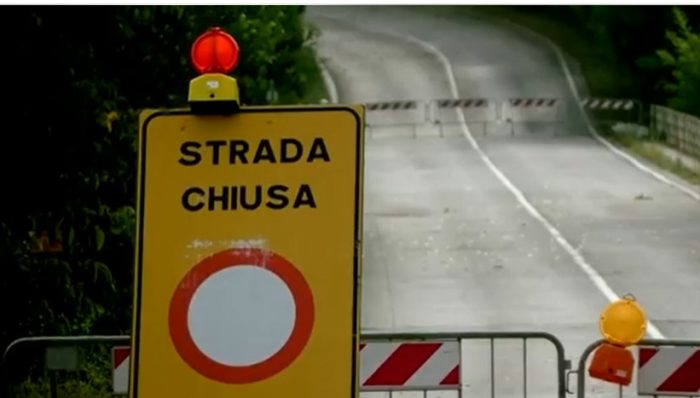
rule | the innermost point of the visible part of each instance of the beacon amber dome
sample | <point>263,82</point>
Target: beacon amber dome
<point>623,322</point>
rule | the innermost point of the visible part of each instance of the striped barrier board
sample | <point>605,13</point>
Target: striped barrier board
<point>391,105</point>
<point>587,103</point>
<point>384,366</point>
<point>462,103</point>
<point>607,104</point>
<point>533,102</point>
<point>421,365</point>
<point>120,370</point>
<point>668,370</point>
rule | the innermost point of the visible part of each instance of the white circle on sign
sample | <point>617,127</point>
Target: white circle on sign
<point>241,315</point>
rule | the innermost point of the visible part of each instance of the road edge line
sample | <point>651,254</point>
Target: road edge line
<point>328,81</point>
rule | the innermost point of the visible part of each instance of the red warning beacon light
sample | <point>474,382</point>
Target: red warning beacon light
<point>215,51</point>
<point>214,54</point>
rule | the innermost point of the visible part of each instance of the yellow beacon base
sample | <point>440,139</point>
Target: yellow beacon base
<point>213,93</point>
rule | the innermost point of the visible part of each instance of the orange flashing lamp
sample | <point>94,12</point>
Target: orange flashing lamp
<point>215,51</point>
<point>214,54</point>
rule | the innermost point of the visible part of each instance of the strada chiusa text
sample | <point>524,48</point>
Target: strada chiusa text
<point>241,152</point>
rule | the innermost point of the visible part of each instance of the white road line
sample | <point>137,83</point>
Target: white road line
<point>592,274</point>
<point>686,190</point>
<point>328,81</point>
<point>574,90</point>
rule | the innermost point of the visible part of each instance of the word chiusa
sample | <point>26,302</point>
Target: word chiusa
<point>241,152</point>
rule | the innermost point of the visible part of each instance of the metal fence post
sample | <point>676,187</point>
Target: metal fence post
<point>581,373</point>
<point>53,383</point>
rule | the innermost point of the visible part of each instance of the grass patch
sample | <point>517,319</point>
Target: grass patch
<point>649,149</point>
<point>28,376</point>
<point>40,388</point>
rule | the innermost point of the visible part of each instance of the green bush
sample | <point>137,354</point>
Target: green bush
<point>684,61</point>
<point>74,81</point>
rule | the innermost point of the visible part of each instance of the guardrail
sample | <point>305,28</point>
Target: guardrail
<point>681,130</point>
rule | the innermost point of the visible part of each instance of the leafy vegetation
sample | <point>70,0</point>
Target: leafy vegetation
<point>74,81</point>
<point>684,61</point>
<point>92,379</point>
<point>648,148</point>
<point>649,53</point>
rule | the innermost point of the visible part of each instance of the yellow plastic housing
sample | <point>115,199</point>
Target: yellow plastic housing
<point>213,93</point>
<point>623,322</point>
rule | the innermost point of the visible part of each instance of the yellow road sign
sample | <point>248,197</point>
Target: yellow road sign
<point>248,255</point>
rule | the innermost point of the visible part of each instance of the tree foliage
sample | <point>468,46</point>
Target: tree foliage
<point>626,38</point>
<point>650,53</point>
<point>684,61</point>
<point>74,81</point>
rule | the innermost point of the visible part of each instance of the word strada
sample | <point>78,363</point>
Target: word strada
<point>238,152</point>
<point>288,150</point>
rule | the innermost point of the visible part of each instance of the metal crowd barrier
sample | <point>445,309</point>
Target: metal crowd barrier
<point>663,367</point>
<point>561,363</point>
<point>437,356</point>
<point>654,380</point>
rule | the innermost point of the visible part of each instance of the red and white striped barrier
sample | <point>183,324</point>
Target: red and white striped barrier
<point>384,366</point>
<point>120,370</point>
<point>668,370</point>
<point>409,366</point>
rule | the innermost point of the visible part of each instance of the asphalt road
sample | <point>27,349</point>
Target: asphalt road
<point>449,245</point>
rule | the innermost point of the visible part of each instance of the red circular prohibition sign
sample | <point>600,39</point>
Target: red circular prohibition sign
<point>301,331</point>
